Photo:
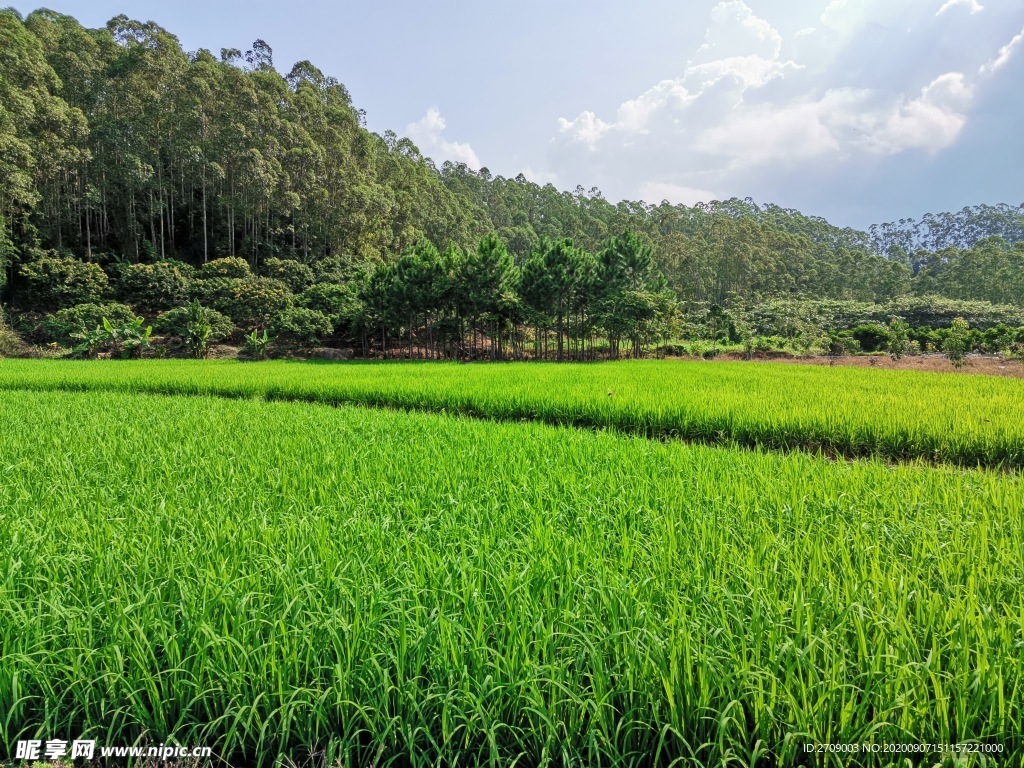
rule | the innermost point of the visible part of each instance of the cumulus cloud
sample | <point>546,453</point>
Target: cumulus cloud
<point>740,51</point>
<point>841,123</point>
<point>744,103</point>
<point>932,121</point>
<point>426,133</point>
<point>971,5</point>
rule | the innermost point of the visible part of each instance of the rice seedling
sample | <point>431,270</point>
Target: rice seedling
<point>275,579</point>
<point>970,421</point>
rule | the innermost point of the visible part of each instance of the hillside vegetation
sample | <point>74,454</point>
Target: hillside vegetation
<point>138,174</point>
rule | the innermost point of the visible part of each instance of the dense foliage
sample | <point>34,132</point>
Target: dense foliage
<point>391,588</point>
<point>134,171</point>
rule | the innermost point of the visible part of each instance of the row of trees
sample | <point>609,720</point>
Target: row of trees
<point>937,232</point>
<point>563,300</point>
<point>562,293</point>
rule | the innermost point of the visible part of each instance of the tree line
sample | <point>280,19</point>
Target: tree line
<point>130,168</point>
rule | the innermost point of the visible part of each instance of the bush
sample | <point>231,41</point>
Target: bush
<point>899,339</point>
<point>156,286</point>
<point>871,337</point>
<point>251,302</point>
<point>197,326</point>
<point>230,266</point>
<point>957,342</point>
<point>295,275</point>
<point>304,326</point>
<point>53,283</point>
<point>10,342</point>
<point>840,344</point>
<point>998,338</point>
<point>340,303</point>
<point>87,317</point>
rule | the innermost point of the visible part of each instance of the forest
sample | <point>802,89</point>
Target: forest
<point>210,196</point>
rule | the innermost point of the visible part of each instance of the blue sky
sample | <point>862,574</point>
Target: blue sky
<point>861,111</point>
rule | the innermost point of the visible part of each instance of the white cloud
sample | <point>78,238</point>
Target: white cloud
<point>540,177</point>
<point>426,134</point>
<point>972,5</point>
<point>767,133</point>
<point>1002,57</point>
<point>725,58</point>
<point>932,121</point>
<point>841,123</point>
<point>586,129</point>
<point>752,105</point>
<point>736,31</point>
<point>844,15</point>
<point>656,191</point>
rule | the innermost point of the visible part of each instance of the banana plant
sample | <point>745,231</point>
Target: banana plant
<point>256,345</point>
<point>197,337</point>
<point>90,342</point>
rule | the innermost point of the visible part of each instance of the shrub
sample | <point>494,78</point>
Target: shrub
<point>53,283</point>
<point>86,317</point>
<point>295,275</point>
<point>251,302</point>
<point>156,286</point>
<point>899,338</point>
<point>957,342</point>
<point>10,342</point>
<point>810,338</point>
<point>304,326</point>
<point>340,303</point>
<point>998,338</point>
<point>197,326</point>
<point>230,266</point>
<point>871,337</point>
<point>257,301</point>
<point>841,344</point>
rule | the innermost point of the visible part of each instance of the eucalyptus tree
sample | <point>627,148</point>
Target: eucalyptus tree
<point>41,137</point>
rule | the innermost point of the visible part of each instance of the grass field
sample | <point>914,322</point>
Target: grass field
<point>412,588</point>
<point>965,420</point>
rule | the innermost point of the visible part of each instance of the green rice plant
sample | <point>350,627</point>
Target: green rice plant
<point>899,415</point>
<point>278,579</point>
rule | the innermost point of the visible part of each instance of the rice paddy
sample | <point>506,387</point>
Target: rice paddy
<point>899,415</point>
<point>376,587</point>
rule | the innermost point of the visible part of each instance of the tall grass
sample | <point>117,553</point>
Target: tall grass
<point>401,588</point>
<point>970,421</point>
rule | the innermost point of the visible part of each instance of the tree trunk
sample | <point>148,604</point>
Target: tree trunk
<point>561,355</point>
<point>206,244</point>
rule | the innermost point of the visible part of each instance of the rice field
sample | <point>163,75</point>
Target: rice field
<point>379,587</point>
<point>970,421</point>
